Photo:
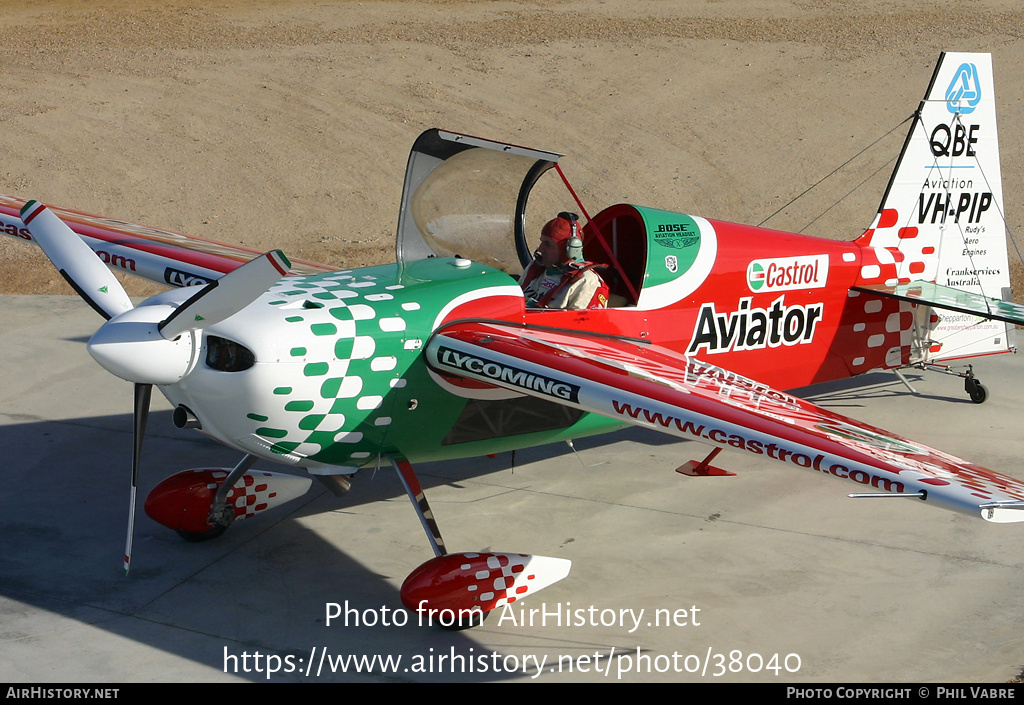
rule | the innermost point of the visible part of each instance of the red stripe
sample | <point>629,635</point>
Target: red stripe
<point>35,211</point>
<point>190,249</point>
<point>273,257</point>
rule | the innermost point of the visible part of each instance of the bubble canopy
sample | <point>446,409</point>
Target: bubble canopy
<point>467,196</point>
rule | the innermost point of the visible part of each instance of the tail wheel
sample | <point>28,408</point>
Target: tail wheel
<point>976,390</point>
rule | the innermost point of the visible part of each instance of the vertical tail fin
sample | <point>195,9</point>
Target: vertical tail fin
<point>942,213</point>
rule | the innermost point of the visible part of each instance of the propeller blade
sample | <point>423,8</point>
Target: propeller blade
<point>76,261</point>
<point>228,295</point>
<point>143,393</point>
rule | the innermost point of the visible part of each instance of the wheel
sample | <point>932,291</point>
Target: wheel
<point>978,393</point>
<point>197,536</point>
<point>227,517</point>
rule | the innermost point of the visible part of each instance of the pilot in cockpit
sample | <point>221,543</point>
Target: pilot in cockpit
<point>558,277</point>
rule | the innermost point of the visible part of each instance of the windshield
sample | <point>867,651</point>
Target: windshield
<point>465,196</point>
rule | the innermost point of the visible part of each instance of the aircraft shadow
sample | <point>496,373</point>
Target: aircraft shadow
<point>854,392</point>
<point>261,587</point>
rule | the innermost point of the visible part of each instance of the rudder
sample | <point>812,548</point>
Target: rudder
<point>942,212</point>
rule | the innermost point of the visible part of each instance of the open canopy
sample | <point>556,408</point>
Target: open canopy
<point>467,196</point>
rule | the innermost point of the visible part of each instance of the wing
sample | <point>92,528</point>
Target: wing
<point>157,255</point>
<point>633,381</point>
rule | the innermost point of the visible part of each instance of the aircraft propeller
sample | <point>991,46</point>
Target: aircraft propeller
<point>143,393</point>
<point>150,344</point>
<point>76,261</point>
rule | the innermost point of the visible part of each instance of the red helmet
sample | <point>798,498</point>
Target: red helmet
<point>560,230</point>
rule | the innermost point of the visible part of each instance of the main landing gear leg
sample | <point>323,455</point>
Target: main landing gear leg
<point>221,515</point>
<point>458,590</point>
<point>459,619</point>
<point>420,504</point>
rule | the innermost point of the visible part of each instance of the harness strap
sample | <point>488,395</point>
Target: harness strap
<point>570,276</point>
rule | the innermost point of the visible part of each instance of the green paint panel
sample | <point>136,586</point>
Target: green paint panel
<point>343,348</point>
<point>324,329</point>
<point>337,431</point>
<point>310,422</point>
<point>329,389</point>
<point>674,238</point>
<point>271,432</point>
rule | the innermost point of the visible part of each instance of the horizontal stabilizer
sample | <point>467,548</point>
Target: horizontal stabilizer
<point>945,297</point>
<point>1003,512</point>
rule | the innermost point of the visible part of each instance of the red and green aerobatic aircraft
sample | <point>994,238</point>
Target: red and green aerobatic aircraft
<point>438,356</point>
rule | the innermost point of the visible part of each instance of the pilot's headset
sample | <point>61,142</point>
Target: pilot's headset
<point>574,245</point>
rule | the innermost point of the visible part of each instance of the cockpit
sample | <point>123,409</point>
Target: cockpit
<point>468,197</point>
